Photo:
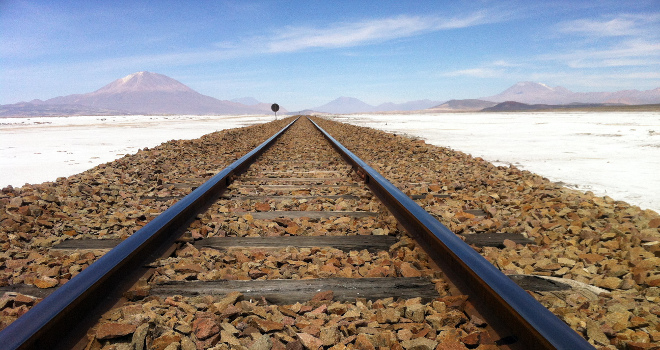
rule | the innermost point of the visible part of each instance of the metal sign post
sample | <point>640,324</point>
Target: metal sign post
<point>275,107</point>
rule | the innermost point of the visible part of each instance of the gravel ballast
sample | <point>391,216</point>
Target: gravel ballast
<point>597,241</point>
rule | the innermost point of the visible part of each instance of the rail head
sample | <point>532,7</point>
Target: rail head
<point>51,319</point>
<point>534,324</point>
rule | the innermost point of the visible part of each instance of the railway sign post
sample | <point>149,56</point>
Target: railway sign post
<point>275,107</point>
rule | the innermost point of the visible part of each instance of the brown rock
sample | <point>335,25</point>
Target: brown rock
<point>188,250</point>
<point>25,210</point>
<point>330,335</point>
<point>609,283</point>
<point>319,310</point>
<point>642,346</point>
<point>262,343</point>
<point>309,341</point>
<point>453,318</point>
<point>337,308</point>
<point>653,281</point>
<point>648,263</point>
<point>229,299</point>
<point>187,344</point>
<point>268,326</point>
<point>388,315</point>
<point>162,342</point>
<point>463,216</point>
<point>22,299</point>
<point>419,344</point>
<point>140,336</point>
<point>451,345</point>
<point>435,188</point>
<point>404,334</point>
<point>618,320</point>
<point>292,229</point>
<point>415,312</point>
<point>205,328</point>
<point>454,301</point>
<point>362,342</point>
<point>16,202</point>
<point>509,244</point>
<point>114,330</point>
<point>254,274</point>
<point>407,270</point>
<point>139,291</point>
<point>596,334</point>
<point>591,258</point>
<point>477,321</point>
<point>45,282</point>
<point>294,345</point>
<point>655,336</point>
<point>262,207</point>
<point>327,295</point>
<point>184,267</point>
<point>472,340</point>
<point>637,322</point>
<point>384,339</point>
<point>277,345</point>
<point>208,342</point>
<point>655,223</point>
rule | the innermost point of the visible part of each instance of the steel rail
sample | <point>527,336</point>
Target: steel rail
<point>56,316</point>
<point>488,288</point>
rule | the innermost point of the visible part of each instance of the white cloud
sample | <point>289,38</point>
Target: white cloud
<point>503,63</point>
<point>635,52</point>
<point>368,31</point>
<point>627,40</point>
<point>614,27</point>
<point>623,25</point>
<point>475,72</point>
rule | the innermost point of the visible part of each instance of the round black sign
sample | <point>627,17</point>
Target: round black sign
<point>275,107</point>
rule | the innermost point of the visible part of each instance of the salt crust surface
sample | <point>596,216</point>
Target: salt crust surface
<point>613,154</point>
<point>36,150</point>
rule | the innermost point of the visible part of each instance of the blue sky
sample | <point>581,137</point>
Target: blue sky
<point>303,54</point>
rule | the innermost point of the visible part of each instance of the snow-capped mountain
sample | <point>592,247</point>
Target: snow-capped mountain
<point>250,101</point>
<point>534,93</point>
<point>345,105</point>
<point>147,93</point>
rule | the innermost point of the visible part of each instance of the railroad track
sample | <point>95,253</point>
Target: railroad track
<point>298,242</point>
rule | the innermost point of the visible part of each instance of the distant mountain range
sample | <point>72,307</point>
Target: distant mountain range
<point>152,93</point>
<point>463,105</point>
<point>517,106</point>
<point>344,105</point>
<point>249,101</point>
<point>531,95</point>
<point>537,93</point>
<point>138,93</point>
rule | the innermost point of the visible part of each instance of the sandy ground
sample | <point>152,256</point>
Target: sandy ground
<point>612,153</point>
<point>615,153</point>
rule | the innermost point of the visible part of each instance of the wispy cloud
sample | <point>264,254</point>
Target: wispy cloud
<point>625,40</point>
<point>503,63</point>
<point>292,39</point>
<point>475,72</point>
<point>368,31</point>
<point>494,69</point>
<point>634,52</point>
<point>596,80</point>
<point>623,25</point>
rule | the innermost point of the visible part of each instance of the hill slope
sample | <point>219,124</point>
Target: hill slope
<point>537,93</point>
<point>140,93</point>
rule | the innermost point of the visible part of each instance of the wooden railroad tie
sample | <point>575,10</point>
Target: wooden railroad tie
<point>290,291</point>
<point>345,243</point>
